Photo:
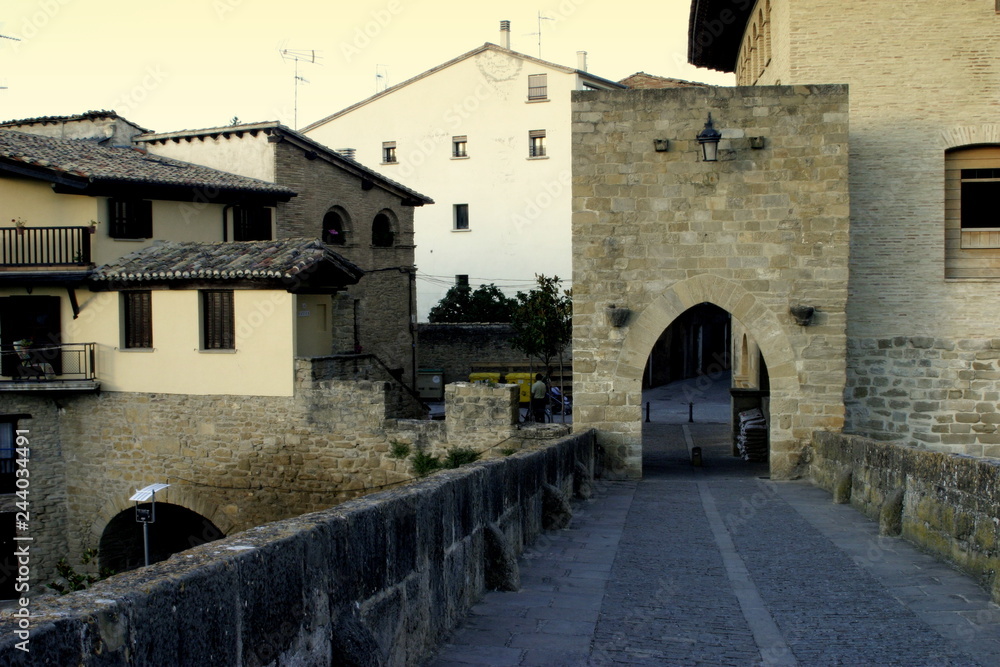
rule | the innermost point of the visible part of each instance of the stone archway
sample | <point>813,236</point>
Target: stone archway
<point>176,529</point>
<point>609,396</point>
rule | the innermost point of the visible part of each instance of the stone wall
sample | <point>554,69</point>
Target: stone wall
<point>385,296</point>
<point>240,461</point>
<point>755,233</point>
<point>459,349</point>
<point>944,503</point>
<point>375,581</point>
<point>938,393</point>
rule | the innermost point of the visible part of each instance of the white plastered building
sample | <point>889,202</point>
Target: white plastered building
<point>487,135</point>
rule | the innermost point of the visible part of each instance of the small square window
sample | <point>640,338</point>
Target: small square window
<point>461,216</point>
<point>388,152</point>
<point>458,145</point>
<point>218,320</point>
<point>538,86</point>
<point>130,218</point>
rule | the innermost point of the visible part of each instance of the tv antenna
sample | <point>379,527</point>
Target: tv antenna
<point>309,56</point>
<point>13,39</point>
<point>381,78</point>
<point>539,33</point>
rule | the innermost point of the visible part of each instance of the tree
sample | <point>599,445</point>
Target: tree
<point>543,321</point>
<point>461,304</point>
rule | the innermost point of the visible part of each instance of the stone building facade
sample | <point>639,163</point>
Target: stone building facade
<point>756,233</point>
<point>923,362</point>
<point>371,215</point>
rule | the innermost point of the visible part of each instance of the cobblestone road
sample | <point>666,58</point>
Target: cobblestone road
<point>719,566</point>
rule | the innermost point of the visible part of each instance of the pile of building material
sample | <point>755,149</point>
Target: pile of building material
<point>752,440</point>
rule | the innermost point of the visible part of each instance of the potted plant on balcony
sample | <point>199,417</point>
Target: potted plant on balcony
<point>19,224</point>
<point>93,226</point>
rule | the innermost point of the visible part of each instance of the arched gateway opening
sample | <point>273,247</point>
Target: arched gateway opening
<point>176,529</point>
<point>792,410</point>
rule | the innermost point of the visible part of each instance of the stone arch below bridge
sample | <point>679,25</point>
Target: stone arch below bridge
<point>181,495</point>
<point>762,323</point>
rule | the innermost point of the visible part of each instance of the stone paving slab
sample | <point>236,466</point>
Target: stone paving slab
<point>720,566</point>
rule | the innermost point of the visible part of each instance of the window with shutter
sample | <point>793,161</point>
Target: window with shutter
<point>138,319</point>
<point>218,320</point>
<point>130,218</point>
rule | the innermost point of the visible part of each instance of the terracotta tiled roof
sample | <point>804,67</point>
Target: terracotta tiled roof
<point>641,80</point>
<point>87,115</point>
<point>266,261</point>
<point>90,164</point>
<point>305,143</point>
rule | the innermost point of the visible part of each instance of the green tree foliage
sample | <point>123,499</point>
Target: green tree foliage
<point>485,304</point>
<point>543,321</point>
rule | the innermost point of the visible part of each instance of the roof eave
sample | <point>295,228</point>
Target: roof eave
<point>715,31</point>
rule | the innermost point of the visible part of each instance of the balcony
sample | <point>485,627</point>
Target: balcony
<point>65,367</point>
<point>44,247</point>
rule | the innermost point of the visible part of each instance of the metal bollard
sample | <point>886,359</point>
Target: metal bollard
<point>647,411</point>
<point>690,412</point>
<point>696,456</point>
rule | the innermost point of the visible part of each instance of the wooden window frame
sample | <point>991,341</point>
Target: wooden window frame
<point>218,320</point>
<point>130,218</point>
<point>137,320</point>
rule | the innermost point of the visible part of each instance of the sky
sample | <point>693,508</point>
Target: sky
<point>189,64</point>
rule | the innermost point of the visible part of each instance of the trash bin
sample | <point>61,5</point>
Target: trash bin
<point>523,381</point>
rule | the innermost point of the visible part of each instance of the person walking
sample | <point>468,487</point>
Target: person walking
<point>539,391</point>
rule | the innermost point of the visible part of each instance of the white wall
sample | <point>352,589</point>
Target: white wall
<point>519,208</point>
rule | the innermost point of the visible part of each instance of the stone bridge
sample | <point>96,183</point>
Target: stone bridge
<point>385,579</point>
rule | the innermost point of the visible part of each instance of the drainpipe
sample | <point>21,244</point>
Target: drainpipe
<point>412,278</point>
<point>225,225</point>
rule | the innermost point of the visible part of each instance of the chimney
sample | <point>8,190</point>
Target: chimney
<point>581,61</point>
<point>505,34</point>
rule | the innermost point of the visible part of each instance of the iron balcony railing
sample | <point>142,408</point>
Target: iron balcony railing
<point>45,246</point>
<point>49,363</point>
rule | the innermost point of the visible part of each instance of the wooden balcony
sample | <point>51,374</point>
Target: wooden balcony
<point>44,247</point>
<point>65,367</point>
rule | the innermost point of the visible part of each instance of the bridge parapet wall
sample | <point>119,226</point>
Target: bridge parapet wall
<point>944,503</point>
<point>376,581</point>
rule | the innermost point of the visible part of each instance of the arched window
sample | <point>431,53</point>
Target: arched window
<point>335,227</point>
<point>972,217</point>
<point>382,233</point>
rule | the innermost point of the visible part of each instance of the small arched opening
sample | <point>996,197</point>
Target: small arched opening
<point>335,226</point>
<point>176,529</point>
<point>383,233</point>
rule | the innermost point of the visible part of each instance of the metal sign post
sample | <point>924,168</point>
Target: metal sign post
<point>146,515</point>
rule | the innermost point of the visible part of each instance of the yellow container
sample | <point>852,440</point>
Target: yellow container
<point>523,381</point>
<point>484,377</point>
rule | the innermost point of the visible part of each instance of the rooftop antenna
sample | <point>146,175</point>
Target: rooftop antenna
<point>13,39</point>
<point>309,56</point>
<point>539,33</point>
<point>381,78</point>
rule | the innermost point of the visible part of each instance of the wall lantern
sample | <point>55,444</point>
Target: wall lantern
<point>617,317</point>
<point>802,314</point>
<point>661,145</point>
<point>709,140</point>
<point>146,515</point>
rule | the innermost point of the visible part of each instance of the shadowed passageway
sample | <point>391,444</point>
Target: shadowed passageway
<point>717,565</point>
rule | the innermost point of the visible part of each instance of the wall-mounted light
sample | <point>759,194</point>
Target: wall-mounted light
<point>709,140</point>
<point>802,314</point>
<point>617,317</point>
<point>661,145</point>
